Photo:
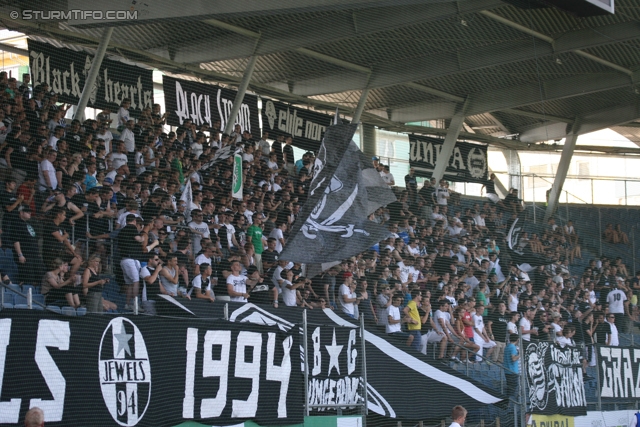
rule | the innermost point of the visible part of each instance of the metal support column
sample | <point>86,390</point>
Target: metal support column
<point>93,73</point>
<point>457,121</point>
<point>242,89</point>
<point>305,345</point>
<point>365,393</point>
<point>360,108</point>
<point>561,173</point>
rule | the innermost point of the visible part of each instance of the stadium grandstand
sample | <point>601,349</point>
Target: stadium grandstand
<point>319,213</point>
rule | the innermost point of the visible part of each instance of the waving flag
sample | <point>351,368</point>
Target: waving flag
<point>345,190</point>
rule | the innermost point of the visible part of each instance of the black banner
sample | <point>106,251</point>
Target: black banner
<point>619,372</point>
<point>203,103</point>
<point>65,71</point>
<point>305,126</point>
<point>554,379</point>
<point>147,371</point>
<point>335,368</point>
<point>468,162</point>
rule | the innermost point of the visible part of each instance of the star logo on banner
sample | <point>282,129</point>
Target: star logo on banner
<point>334,352</point>
<point>123,341</point>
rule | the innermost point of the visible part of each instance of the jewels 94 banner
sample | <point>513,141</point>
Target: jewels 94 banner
<point>147,371</point>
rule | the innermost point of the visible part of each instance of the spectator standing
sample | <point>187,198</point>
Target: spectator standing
<point>25,248</point>
<point>411,183</point>
<point>619,305</point>
<point>613,335</point>
<point>512,365</point>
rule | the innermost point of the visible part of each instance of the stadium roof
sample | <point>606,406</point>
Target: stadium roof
<point>530,74</point>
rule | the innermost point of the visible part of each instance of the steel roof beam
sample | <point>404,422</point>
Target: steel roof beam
<point>515,96</point>
<point>589,122</point>
<point>298,34</point>
<point>476,58</point>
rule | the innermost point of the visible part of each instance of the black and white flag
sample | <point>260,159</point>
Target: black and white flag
<point>522,255</point>
<point>345,189</point>
<point>221,155</point>
<point>554,379</point>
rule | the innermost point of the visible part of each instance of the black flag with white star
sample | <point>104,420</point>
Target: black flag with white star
<point>345,190</point>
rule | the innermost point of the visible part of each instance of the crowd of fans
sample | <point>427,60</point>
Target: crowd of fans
<point>441,277</point>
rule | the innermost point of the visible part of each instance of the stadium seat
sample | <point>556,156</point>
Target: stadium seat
<point>37,298</point>
<point>21,306</point>
<point>7,305</point>
<point>15,287</point>
<point>68,311</point>
<point>9,265</point>
<point>81,311</point>
<point>19,299</point>
<point>54,308</point>
<point>8,296</point>
<point>25,289</point>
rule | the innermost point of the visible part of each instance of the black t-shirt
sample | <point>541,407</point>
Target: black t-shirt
<point>270,256</point>
<point>287,154</point>
<point>426,193</point>
<point>222,235</point>
<point>491,187</point>
<point>153,289</point>
<point>51,245</point>
<point>221,288</point>
<point>150,210</point>
<point>127,244</point>
<point>24,233</point>
<point>262,292</point>
<point>499,326</point>
<point>542,336</point>
<point>602,330</point>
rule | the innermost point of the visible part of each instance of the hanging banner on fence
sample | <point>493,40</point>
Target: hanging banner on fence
<point>334,367</point>
<point>207,104</point>
<point>65,71</point>
<point>619,372</point>
<point>554,379</point>
<point>389,363</point>
<point>236,187</point>
<point>468,162</point>
<point>147,371</point>
<point>305,126</point>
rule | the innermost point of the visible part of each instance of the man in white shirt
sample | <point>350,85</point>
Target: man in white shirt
<point>237,283</point>
<point>614,340</point>
<point>526,324</point>
<point>387,176</point>
<point>119,158</point>
<point>480,335</point>
<point>200,230</point>
<point>105,134</point>
<point>128,137</point>
<point>276,277</point>
<point>618,304</point>
<point>58,133</point>
<point>407,272</point>
<point>347,297</point>
<point>394,320</point>
<point>442,192</point>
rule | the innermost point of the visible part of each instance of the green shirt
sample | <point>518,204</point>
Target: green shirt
<point>255,233</point>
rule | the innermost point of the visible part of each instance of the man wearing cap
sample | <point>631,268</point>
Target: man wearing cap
<point>347,298</point>
<point>25,248</point>
<point>556,320</point>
